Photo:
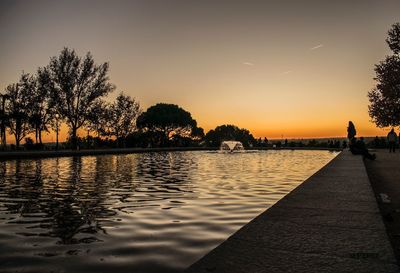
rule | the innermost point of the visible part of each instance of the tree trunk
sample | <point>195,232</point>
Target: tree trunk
<point>118,141</point>
<point>5,139</point>
<point>74,139</point>
<point>17,141</point>
<point>88,140</point>
<point>40,138</point>
<point>17,133</point>
<point>2,135</point>
<point>36,135</point>
<point>166,138</point>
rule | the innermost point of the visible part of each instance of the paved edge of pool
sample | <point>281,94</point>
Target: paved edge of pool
<point>11,155</point>
<point>329,223</point>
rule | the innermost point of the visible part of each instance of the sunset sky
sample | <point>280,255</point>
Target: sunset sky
<point>278,68</point>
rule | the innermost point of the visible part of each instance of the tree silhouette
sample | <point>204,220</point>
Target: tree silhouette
<point>4,121</point>
<point>42,111</point>
<point>197,133</point>
<point>384,98</point>
<point>98,118</point>
<point>215,137</point>
<point>18,108</point>
<point>167,121</point>
<point>393,39</point>
<point>76,84</point>
<point>121,117</point>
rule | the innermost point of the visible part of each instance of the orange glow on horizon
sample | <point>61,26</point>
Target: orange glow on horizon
<point>294,132</point>
<point>299,69</point>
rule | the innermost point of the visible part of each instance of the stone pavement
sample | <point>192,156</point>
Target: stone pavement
<point>384,174</point>
<point>11,155</point>
<point>330,223</point>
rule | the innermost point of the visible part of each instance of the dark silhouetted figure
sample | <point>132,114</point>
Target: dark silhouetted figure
<point>351,131</point>
<point>357,147</point>
<point>392,139</point>
<point>376,142</point>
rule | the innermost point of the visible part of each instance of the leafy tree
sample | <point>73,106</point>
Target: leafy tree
<point>145,139</point>
<point>384,98</point>
<point>167,121</point>
<point>221,133</point>
<point>98,118</point>
<point>18,108</point>
<point>197,133</point>
<point>393,39</point>
<point>192,140</point>
<point>121,117</point>
<point>42,112</point>
<point>4,120</point>
<point>76,84</point>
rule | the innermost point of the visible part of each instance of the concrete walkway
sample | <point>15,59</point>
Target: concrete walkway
<point>330,223</point>
<point>384,174</point>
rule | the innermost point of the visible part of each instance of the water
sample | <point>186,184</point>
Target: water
<point>152,212</point>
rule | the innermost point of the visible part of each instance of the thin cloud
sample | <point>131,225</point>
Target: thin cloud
<point>249,64</point>
<point>316,47</point>
<point>286,72</point>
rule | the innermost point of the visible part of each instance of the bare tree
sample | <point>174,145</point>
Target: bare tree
<point>76,84</point>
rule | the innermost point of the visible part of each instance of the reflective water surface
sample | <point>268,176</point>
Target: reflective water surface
<point>152,212</point>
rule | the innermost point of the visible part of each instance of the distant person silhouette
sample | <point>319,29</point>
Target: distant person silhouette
<point>376,142</point>
<point>358,147</point>
<point>392,139</point>
<point>351,131</point>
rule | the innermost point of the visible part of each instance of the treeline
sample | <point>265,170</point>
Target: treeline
<point>72,90</point>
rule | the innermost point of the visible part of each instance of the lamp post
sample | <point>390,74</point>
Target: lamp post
<point>57,116</point>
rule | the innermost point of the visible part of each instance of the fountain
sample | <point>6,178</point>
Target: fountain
<point>231,146</point>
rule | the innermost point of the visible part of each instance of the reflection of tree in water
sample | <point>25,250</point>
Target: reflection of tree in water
<point>74,206</point>
<point>71,205</point>
<point>166,173</point>
<point>74,198</point>
<point>14,186</point>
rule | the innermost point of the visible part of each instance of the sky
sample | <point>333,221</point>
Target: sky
<point>292,69</point>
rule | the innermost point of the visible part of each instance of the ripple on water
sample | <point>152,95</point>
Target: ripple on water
<point>152,212</point>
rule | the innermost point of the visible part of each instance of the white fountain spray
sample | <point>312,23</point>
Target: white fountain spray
<point>231,146</point>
